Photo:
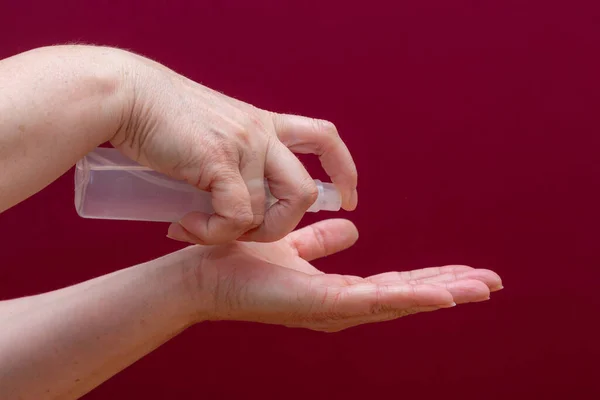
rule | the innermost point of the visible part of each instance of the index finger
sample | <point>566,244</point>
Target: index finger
<point>294,189</point>
<point>232,211</point>
<point>314,136</point>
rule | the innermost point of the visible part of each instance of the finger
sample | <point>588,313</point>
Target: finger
<point>368,298</point>
<point>466,291</point>
<point>179,233</point>
<point>232,210</point>
<point>441,275</point>
<point>463,290</point>
<point>398,276</point>
<point>296,191</point>
<point>491,279</point>
<point>323,238</point>
<point>312,136</point>
<point>253,173</point>
<point>372,298</point>
<point>334,309</point>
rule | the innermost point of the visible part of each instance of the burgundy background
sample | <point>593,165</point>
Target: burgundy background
<point>474,125</point>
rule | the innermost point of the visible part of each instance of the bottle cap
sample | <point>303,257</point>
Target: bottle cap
<point>329,198</point>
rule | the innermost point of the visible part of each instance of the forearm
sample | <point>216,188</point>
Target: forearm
<point>56,105</point>
<point>62,344</point>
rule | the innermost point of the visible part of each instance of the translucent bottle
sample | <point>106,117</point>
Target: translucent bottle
<point>109,185</point>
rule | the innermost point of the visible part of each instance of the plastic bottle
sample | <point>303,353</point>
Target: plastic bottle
<point>109,185</point>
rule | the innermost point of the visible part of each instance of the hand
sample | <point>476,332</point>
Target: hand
<point>228,147</point>
<point>275,283</point>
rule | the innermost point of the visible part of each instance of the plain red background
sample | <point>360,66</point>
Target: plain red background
<point>474,125</point>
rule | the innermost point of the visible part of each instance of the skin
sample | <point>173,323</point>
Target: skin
<point>57,104</point>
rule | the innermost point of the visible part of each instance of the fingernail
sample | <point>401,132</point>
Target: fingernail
<point>176,232</point>
<point>352,200</point>
<point>450,305</point>
<point>175,238</point>
<point>497,288</point>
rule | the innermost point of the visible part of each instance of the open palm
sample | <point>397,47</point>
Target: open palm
<point>275,283</point>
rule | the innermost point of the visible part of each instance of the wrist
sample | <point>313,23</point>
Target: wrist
<point>138,81</point>
<point>194,292</point>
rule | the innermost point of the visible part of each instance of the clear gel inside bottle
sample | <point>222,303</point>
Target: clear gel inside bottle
<point>109,185</point>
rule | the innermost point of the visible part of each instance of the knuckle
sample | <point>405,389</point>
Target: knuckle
<point>220,165</point>
<point>227,176</point>
<point>242,218</point>
<point>257,220</point>
<point>243,133</point>
<point>252,126</point>
<point>221,145</point>
<point>308,193</point>
<point>325,127</point>
<point>320,239</point>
